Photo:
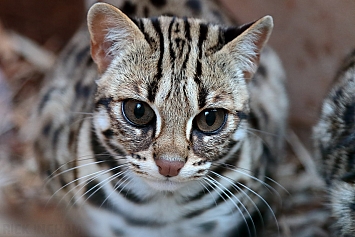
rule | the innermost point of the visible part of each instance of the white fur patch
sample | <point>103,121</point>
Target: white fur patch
<point>239,134</point>
<point>102,120</point>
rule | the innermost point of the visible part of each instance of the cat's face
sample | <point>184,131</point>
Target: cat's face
<point>172,98</point>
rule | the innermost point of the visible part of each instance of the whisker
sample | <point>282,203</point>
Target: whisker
<point>205,188</point>
<point>266,203</point>
<point>233,168</point>
<point>87,182</point>
<point>217,185</point>
<point>117,186</point>
<point>261,131</point>
<point>95,174</point>
<point>256,194</point>
<point>52,176</point>
<point>229,180</point>
<point>258,136</point>
<point>67,184</point>
<point>279,185</point>
<point>100,185</point>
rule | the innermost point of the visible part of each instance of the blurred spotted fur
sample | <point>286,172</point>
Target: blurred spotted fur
<point>161,131</point>
<point>335,147</point>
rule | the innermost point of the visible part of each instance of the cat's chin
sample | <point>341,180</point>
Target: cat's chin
<point>165,185</point>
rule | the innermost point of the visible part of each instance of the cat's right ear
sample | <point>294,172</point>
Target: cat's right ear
<point>110,31</point>
<point>245,49</point>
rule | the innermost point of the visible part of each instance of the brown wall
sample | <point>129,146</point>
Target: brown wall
<point>46,21</point>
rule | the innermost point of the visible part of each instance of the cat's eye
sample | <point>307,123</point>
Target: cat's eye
<point>210,120</point>
<point>137,112</point>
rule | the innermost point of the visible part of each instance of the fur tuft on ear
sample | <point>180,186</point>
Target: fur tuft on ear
<point>111,31</point>
<point>245,48</point>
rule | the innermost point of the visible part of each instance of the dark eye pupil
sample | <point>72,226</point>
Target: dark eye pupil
<point>139,110</point>
<point>210,117</point>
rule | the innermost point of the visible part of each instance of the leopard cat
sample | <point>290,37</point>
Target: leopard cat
<point>152,125</point>
<point>334,137</point>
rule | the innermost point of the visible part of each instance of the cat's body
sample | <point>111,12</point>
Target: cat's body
<point>335,147</point>
<point>192,162</point>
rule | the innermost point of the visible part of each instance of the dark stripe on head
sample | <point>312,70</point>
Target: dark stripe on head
<point>171,51</point>
<point>105,102</point>
<point>141,26</point>
<point>188,38</point>
<point>153,87</point>
<point>187,29</point>
<point>202,91</point>
<point>220,43</point>
<point>202,94</point>
<point>202,38</point>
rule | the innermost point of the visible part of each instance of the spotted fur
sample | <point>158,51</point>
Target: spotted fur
<point>335,147</point>
<point>180,64</point>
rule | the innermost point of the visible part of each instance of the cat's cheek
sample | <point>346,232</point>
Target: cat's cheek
<point>136,140</point>
<point>210,147</point>
<point>215,146</point>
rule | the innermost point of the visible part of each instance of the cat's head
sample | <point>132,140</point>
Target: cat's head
<point>173,91</point>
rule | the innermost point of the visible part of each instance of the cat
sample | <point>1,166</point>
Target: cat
<point>334,139</point>
<point>159,121</point>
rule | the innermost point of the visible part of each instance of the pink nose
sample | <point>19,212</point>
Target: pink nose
<point>169,168</point>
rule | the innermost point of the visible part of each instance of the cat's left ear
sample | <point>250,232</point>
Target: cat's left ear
<point>246,47</point>
<point>111,32</point>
